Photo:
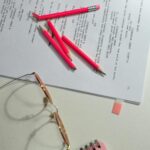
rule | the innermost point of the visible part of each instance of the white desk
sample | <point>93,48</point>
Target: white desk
<point>86,118</point>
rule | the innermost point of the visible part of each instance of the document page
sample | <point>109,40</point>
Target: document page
<point>116,37</point>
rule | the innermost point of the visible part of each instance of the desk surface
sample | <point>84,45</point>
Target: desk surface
<point>88,117</point>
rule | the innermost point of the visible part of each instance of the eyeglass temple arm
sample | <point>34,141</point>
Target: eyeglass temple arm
<point>62,129</point>
<point>14,79</point>
<point>43,87</point>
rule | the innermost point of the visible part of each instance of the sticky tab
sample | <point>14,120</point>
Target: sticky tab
<point>117,106</point>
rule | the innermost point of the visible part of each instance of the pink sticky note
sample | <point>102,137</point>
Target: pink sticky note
<point>117,108</point>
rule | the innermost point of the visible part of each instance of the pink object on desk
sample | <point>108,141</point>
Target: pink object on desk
<point>100,146</point>
<point>82,54</point>
<point>58,38</point>
<point>117,107</point>
<point>57,48</point>
<point>97,145</point>
<point>66,13</point>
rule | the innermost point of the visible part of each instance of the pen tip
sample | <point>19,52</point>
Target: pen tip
<point>101,72</point>
<point>74,68</point>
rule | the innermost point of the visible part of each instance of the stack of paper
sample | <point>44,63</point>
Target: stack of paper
<point>116,36</point>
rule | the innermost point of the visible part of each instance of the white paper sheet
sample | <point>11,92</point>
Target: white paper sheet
<point>116,36</point>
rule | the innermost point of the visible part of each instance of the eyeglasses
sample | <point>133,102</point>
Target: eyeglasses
<point>47,100</point>
<point>55,115</point>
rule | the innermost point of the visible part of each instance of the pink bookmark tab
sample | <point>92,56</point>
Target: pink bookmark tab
<point>117,106</point>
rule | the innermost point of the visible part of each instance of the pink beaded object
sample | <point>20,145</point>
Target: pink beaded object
<point>97,145</point>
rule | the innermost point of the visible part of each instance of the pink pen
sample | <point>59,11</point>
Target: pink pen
<point>66,13</point>
<point>58,38</point>
<point>57,48</point>
<point>82,54</point>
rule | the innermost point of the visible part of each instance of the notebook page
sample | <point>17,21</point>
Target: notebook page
<point>116,37</point>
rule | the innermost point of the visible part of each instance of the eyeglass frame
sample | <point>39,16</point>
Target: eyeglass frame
<point>48,99</point>
<point>55,115</point>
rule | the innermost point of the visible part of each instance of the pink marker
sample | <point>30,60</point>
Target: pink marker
<point>58,38</point>
<point>66,13</point>
<point>82,54</point>
<point>57,48</point>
